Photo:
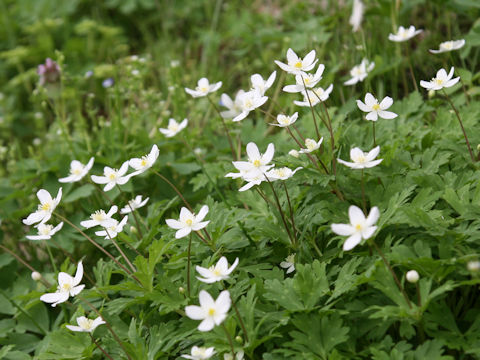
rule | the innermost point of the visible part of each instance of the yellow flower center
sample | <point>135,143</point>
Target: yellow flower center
<point>211,312</point>
<point>203,89</point>
<point>298,64</point>
<point>438,81</point>
<point>448,45</point>
<point>173,127</point>
<point>217,272</point>
<point>256,163</point>
<point>76,171</point>
<point>144,161</point>
<point>189,222</point>
<point>66,287</point>
<point>112,176</point>
<point>358,227</point>
<point>45,207</point>
<point>86,324</point>
<point>98,216</point>
<point>376,107</point>
<point>45,230</point>
<point>310,144</point>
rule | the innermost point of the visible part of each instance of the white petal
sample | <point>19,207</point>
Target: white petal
<point>223,302</point>
<point>206,325</point>
<point>356,215</point>
<point>363,107</point>
<point>373,116</point>
<point>372,216</point>
<point>205,299</point>
<point>352,241</point>
<point>370,100</point>
<point>202,213</point>
<point>343,229</point>
<point>253,152</point>
<point>183,232</point>
<point>195,312</point>
<point>387,114</point>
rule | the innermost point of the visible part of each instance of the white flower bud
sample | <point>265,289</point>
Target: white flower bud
<point>431,94</point>
<point>133,229</point>
<point>181,290</point>
<point>473,266</point>
<point>294,153</point>
<point>412,276</point>
<point>36,276</point>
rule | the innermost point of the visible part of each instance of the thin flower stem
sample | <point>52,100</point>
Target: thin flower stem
<point>364,201</point>
<point>292,215</point>
<point>98,346</point>
<point>175,189</point>
<point>311,107</point>
<point>419,297</point>
<point>225,127</point>
<point>139,234</point>
<point>121,252</point>
<point>373,130</point>
<point>24,263</point>
<point>103,193</point>
<point>332,140</point>
<point>410,67</point>
<point>50,255</point>
<point>282,215</point>
<point>312,159</point>
<point>229,338</point>
<point>98,246</point>
<point>298,132</point>
<point>461,125</point>
<point>242,324</point>
<point>464,88</point>
<point>387,264</point>
<point>188,263</point>
<point>117,339</point>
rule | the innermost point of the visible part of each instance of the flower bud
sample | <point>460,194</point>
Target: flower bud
<point>294,153</point>
<point>473,266</point>
<point>133,230</point>
<point>431,94</point>
<point>36,276</point>
<point>412,276</point>
<point>238,339</point>
<point>181,290</point>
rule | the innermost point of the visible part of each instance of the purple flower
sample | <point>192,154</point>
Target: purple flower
<point>49,73</point>
<point>108,83</point>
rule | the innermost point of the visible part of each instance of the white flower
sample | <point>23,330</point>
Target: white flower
<point>113,229</point>
<point>257,163</point>
<point>315,96</point>
<point>234,107</point>
<point>67,286</point>
<point>310,80</point>
<point>146,162</point>
<point>101,218</point>
<point>219,272</point>
<point>357,15</point>
<point>188,222</point>
<point>412,276</point>
<point>173,127</point>
<point>45,208</point>
<point>252,179</point>
<point>134,204</point>
<point>473,266</point>
<point>449,46</point>
<point>283,173</point>
<point>200,353</point>
<point>360,72</point>
<point>203,88</point>
<point>249,101</point>
<point>359,227</point>
<point>36,276</point>
<point>404,34</point>
<point>285,120</point>
<point>362,160</point>
<point>289,263</point>
<point>86,325</point>
<point>238,356</point>
<point>112,177</point>
<point>311,145</point>
<point>261,85</point>
<point>77,171</point>
<point>442,80</point>
<point>375,109</point>
<point>45,231</point>
<point>295,64</point>
<point>211,312</point>
<point>294,153</point>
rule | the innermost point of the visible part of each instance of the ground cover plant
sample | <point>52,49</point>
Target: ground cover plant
<point>151,209</point>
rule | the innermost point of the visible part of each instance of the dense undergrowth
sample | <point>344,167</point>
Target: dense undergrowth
<point>122,70</point>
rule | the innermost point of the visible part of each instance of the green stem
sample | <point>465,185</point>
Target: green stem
<point>225,128</point>
<point>291,213</point>
<point>311,107</point>
<point>50,256</point>
<point>188,264</point>
<point>98,346</point>
<point>140,235</point>
<point>121,252</point>
<point>24,312</point>
<point>229,339</point>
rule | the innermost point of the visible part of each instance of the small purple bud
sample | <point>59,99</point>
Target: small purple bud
<point>48,72</point>
<point>108,83</point>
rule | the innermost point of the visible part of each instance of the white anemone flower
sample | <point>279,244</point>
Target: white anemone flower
<point>200,353</point>
<point>315,96</point>
<point>447,46</point>
<point>101,218</point>
<point>357,15</point>
<point>67,286</point>
<point>359,72</point>
<point>359,227</point>
<point>285,120</point>
<point>404,34</point>
<point>282,173</point>
<point>234,106</point>
<point>173,127</point>
<point>257,162</point>
<point>145,162</point>
<point>311,145</point>
<point>45,231</point>
<point>252,178</point>
<point>305,80</point>
<point>134,204</point>
<point>203,88</point>
<point>442,80</point>
<point>261,85</point>
<point>376,110</point>
<point>77,171</point>
<point>113,229</point>
<point>362,160</point>
<point>238,356</point>
<point>112,177</point>
<point>188,222</point>
<point>296,65</point>
<point>86,325</point>
<point>219,271</point>
<point>45,208</point>
<point>289,263</point>
<point>249,101</point>
<point>211,312</point>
